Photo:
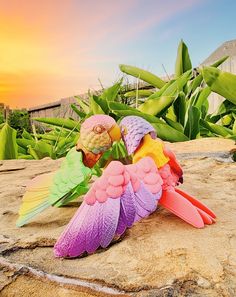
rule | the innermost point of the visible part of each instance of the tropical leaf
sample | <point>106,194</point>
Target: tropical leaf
<point>80,113</point>
<point>110,94</point>
<point>8,145</point>
<point>216,129</point>
<point>192,128</point>
<point>60,122</point>
<point>94,106</point>
<point>183,62</point>
<point>144,75</point>
<point>220,82</point>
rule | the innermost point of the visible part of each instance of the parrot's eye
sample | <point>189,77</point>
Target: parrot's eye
<point>98,129</point>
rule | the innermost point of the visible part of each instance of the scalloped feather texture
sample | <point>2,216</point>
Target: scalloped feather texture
<point>133,129</point>
<point>96,142</point>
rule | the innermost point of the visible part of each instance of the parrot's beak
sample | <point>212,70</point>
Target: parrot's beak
<point>115,133</point>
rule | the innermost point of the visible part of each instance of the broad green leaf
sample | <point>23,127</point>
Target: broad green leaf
<point>144,75</point>
<point>94,106</point>
<point>159,93</point>
<point>220,82</point>
<point>216,129</point>
<point>226,107</point>
<point>234,127</point>
<point>202,97</point>
<point>226,120</point>
<point>21,150</point>
<point>59,122</point>
<point>25,142</point>
<point>170,114</point>
<point>183,62</point>
<point>25,157</point>
<point>110,94</point>
<point>102,103</point>
<point>83,104</point>
<point>219,62</point>
<point>33,153</point>
<point>157,106</point>
<point>27,135</point>
<point>80,113</point>
<point>192,128</point>
<point>124,110</point>
<point>168,133</point>
<point>8,145</point>
<point>196,82</point>
<point>44,149</point>
<point>174,124</point>
<point>180,108</point>
<point>139,93</point>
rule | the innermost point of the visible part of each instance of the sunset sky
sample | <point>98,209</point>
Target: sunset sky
<point>54,49</point>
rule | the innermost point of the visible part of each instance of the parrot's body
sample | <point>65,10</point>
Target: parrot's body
<point>125,194</point>
<point>71,180</point>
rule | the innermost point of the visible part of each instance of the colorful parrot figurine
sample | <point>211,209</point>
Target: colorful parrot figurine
<point>124,194</point>
<point>57,188</point>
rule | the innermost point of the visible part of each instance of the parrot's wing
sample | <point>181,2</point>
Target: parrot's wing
<point>70,179</point>
<point>108,205</point>
<point>150,189</point>
<point>109,208</point>
<point>35,200</point>
<point>56,188</point>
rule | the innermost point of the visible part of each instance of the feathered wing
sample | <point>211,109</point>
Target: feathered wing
<point>147,185</point>
<point>35,200</point>
<point>70,180</point>
<point>115,201</point>
<point>55,188</point>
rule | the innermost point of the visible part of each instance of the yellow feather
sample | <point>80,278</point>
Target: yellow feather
<point>35,197</point>
<point>151,148</point>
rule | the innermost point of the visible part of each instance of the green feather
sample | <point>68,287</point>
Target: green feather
<point>71,180</point>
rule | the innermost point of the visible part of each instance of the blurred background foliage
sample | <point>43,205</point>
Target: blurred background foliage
<point>178,108</point>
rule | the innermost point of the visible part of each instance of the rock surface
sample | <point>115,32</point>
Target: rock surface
<point>159,256</point>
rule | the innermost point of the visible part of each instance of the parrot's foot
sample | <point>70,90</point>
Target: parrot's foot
<point>187,208</point>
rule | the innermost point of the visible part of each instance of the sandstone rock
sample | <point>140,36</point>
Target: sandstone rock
<point>159,256</point>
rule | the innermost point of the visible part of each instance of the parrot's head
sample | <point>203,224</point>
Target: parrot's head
<point>133,129</point>
<point>97,133</point>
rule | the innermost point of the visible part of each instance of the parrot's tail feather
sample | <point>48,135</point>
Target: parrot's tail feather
<point>35,199</point>
<point>196,202</point>
<point>185,209</point>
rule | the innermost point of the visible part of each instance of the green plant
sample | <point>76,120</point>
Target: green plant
<point>8,146</point>
<point>182,103</point>
<point>177,108</point>
<point>2,120</point>
<point>20,121</point>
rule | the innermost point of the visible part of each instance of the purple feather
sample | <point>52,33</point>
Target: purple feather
<point>93,223</point>
<point>128,205</point>
<point>133,129</point>
<point>71,243</point>
<point>127,210</point>
<point>145,202</point>
<point>111,214</point>
<point>121,227</point>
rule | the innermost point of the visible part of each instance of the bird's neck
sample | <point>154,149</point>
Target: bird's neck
<point>151,148</point>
